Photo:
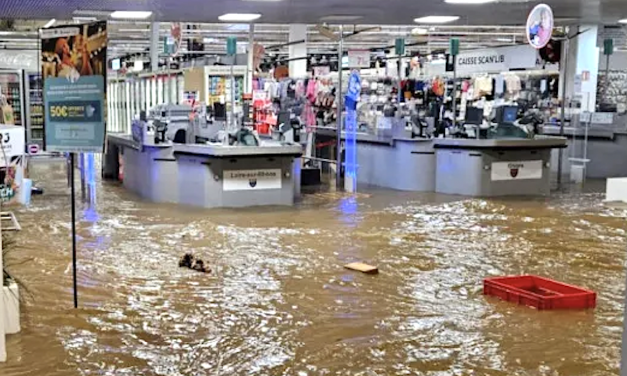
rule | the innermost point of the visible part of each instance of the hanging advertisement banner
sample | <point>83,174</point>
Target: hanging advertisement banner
<point>359,59</point>
<point>12,145</point>
<point>539,26</point>
<point>74,66</point>
<point>496,60</point>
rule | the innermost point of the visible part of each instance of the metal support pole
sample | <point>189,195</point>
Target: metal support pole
<point>560,158</point>
<point>607,73</point>
<point>339,101</point>
<point>250,69</point>
<point>72,156</point>
<point>232,123</point>
<point>455,93</point>
<point>623,356</point>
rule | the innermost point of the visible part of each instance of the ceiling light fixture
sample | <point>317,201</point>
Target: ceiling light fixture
<point>84,19</point>
<point>623,21</point>
<point>130,15</point>
<point>436,19</point>
<point>463,2</point>
<point>50,23</point>
<point>239,17</point>
<point>340,18</point>
<point>505,40</point>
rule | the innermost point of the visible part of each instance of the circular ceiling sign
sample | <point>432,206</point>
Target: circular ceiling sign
<point>540,26</point>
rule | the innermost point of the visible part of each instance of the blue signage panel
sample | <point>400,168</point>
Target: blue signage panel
<point>73,65</point>
<point>74,116</point>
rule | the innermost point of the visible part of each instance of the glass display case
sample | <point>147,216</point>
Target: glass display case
<point>12,89</point>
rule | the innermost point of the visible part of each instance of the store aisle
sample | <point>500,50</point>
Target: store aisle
<point>280,303</point>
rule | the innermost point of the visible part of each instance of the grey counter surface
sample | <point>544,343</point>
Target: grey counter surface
<point>569,132</point>
<point>238,151</point>
<point>371,138</point>
<point>460,143</point>
<point>213,150</point>
<point>127,140</point>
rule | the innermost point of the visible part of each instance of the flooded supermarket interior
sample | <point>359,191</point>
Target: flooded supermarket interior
<point>311,188</point>
<point>279,302</point>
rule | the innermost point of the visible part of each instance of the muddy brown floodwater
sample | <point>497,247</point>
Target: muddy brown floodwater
<point>280,303</point>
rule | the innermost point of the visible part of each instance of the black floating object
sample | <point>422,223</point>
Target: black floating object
<point>191,262</point>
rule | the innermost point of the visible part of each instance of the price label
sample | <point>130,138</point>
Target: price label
<point>58,111</point>
<point>76,111</point>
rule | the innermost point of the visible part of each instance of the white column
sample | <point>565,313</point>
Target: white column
<point>154,46</point>
<point>298,68</point>
<point>583,57</point>
<point>250,70</point>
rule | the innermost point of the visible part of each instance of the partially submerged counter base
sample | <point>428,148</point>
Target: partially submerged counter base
<point>496,167</point>
<point>205,175</point>
<point>238,176</point>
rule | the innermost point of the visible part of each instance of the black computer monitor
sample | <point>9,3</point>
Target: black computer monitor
<point>506,114</point>
<point>608,107</point>
<point>219,111</point>
<point>283,118</point>
<point>474,116</point>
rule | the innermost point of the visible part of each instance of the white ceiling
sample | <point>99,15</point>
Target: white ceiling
<point>133,37</point>
<point>479,26</point>
<point>505,12</point>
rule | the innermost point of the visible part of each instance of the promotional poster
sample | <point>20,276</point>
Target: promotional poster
<point>74,67</point>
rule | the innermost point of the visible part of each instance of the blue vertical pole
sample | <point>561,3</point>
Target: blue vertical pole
<point>350,126</point>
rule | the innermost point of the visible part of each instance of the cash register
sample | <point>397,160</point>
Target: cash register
<point>506,126</point>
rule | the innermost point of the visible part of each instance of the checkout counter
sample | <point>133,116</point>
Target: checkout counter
<point>606,137</point>
<point>500,163</point>
<point>495,167</point>
<point>208,175</point>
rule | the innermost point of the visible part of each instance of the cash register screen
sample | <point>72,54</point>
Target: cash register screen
<point>508,114</point>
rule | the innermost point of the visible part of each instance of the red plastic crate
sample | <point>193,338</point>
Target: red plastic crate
<point>540,293</point>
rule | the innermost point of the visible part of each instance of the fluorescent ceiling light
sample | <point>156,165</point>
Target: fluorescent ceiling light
<point>436,19</point>
<point>241,17</point>
<point>91,13</point>
<point>339,18</point>
<point>623,21</point>
<point>506,40</point>
<point>130,15</point>
<point>50,23</point>
<point>239,27</point>
<point>469,1</point>
<point>84,19</point>
<point>420,31</point>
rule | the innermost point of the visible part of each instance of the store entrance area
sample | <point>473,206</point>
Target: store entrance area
<point>280,303</point>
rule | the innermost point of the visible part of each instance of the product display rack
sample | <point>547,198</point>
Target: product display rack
<point>131,94</point>
<point>11,87</point>
<point>34,103</point>
<point>218,86</point>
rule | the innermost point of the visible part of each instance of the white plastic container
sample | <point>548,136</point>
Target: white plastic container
<point>11,309</point>
<point>26,191</point>
<point>616,190</point>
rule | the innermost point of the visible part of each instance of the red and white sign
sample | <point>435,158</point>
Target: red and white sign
<point>517,170</point>
<point>33,149</point>
<point>359,58</point>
